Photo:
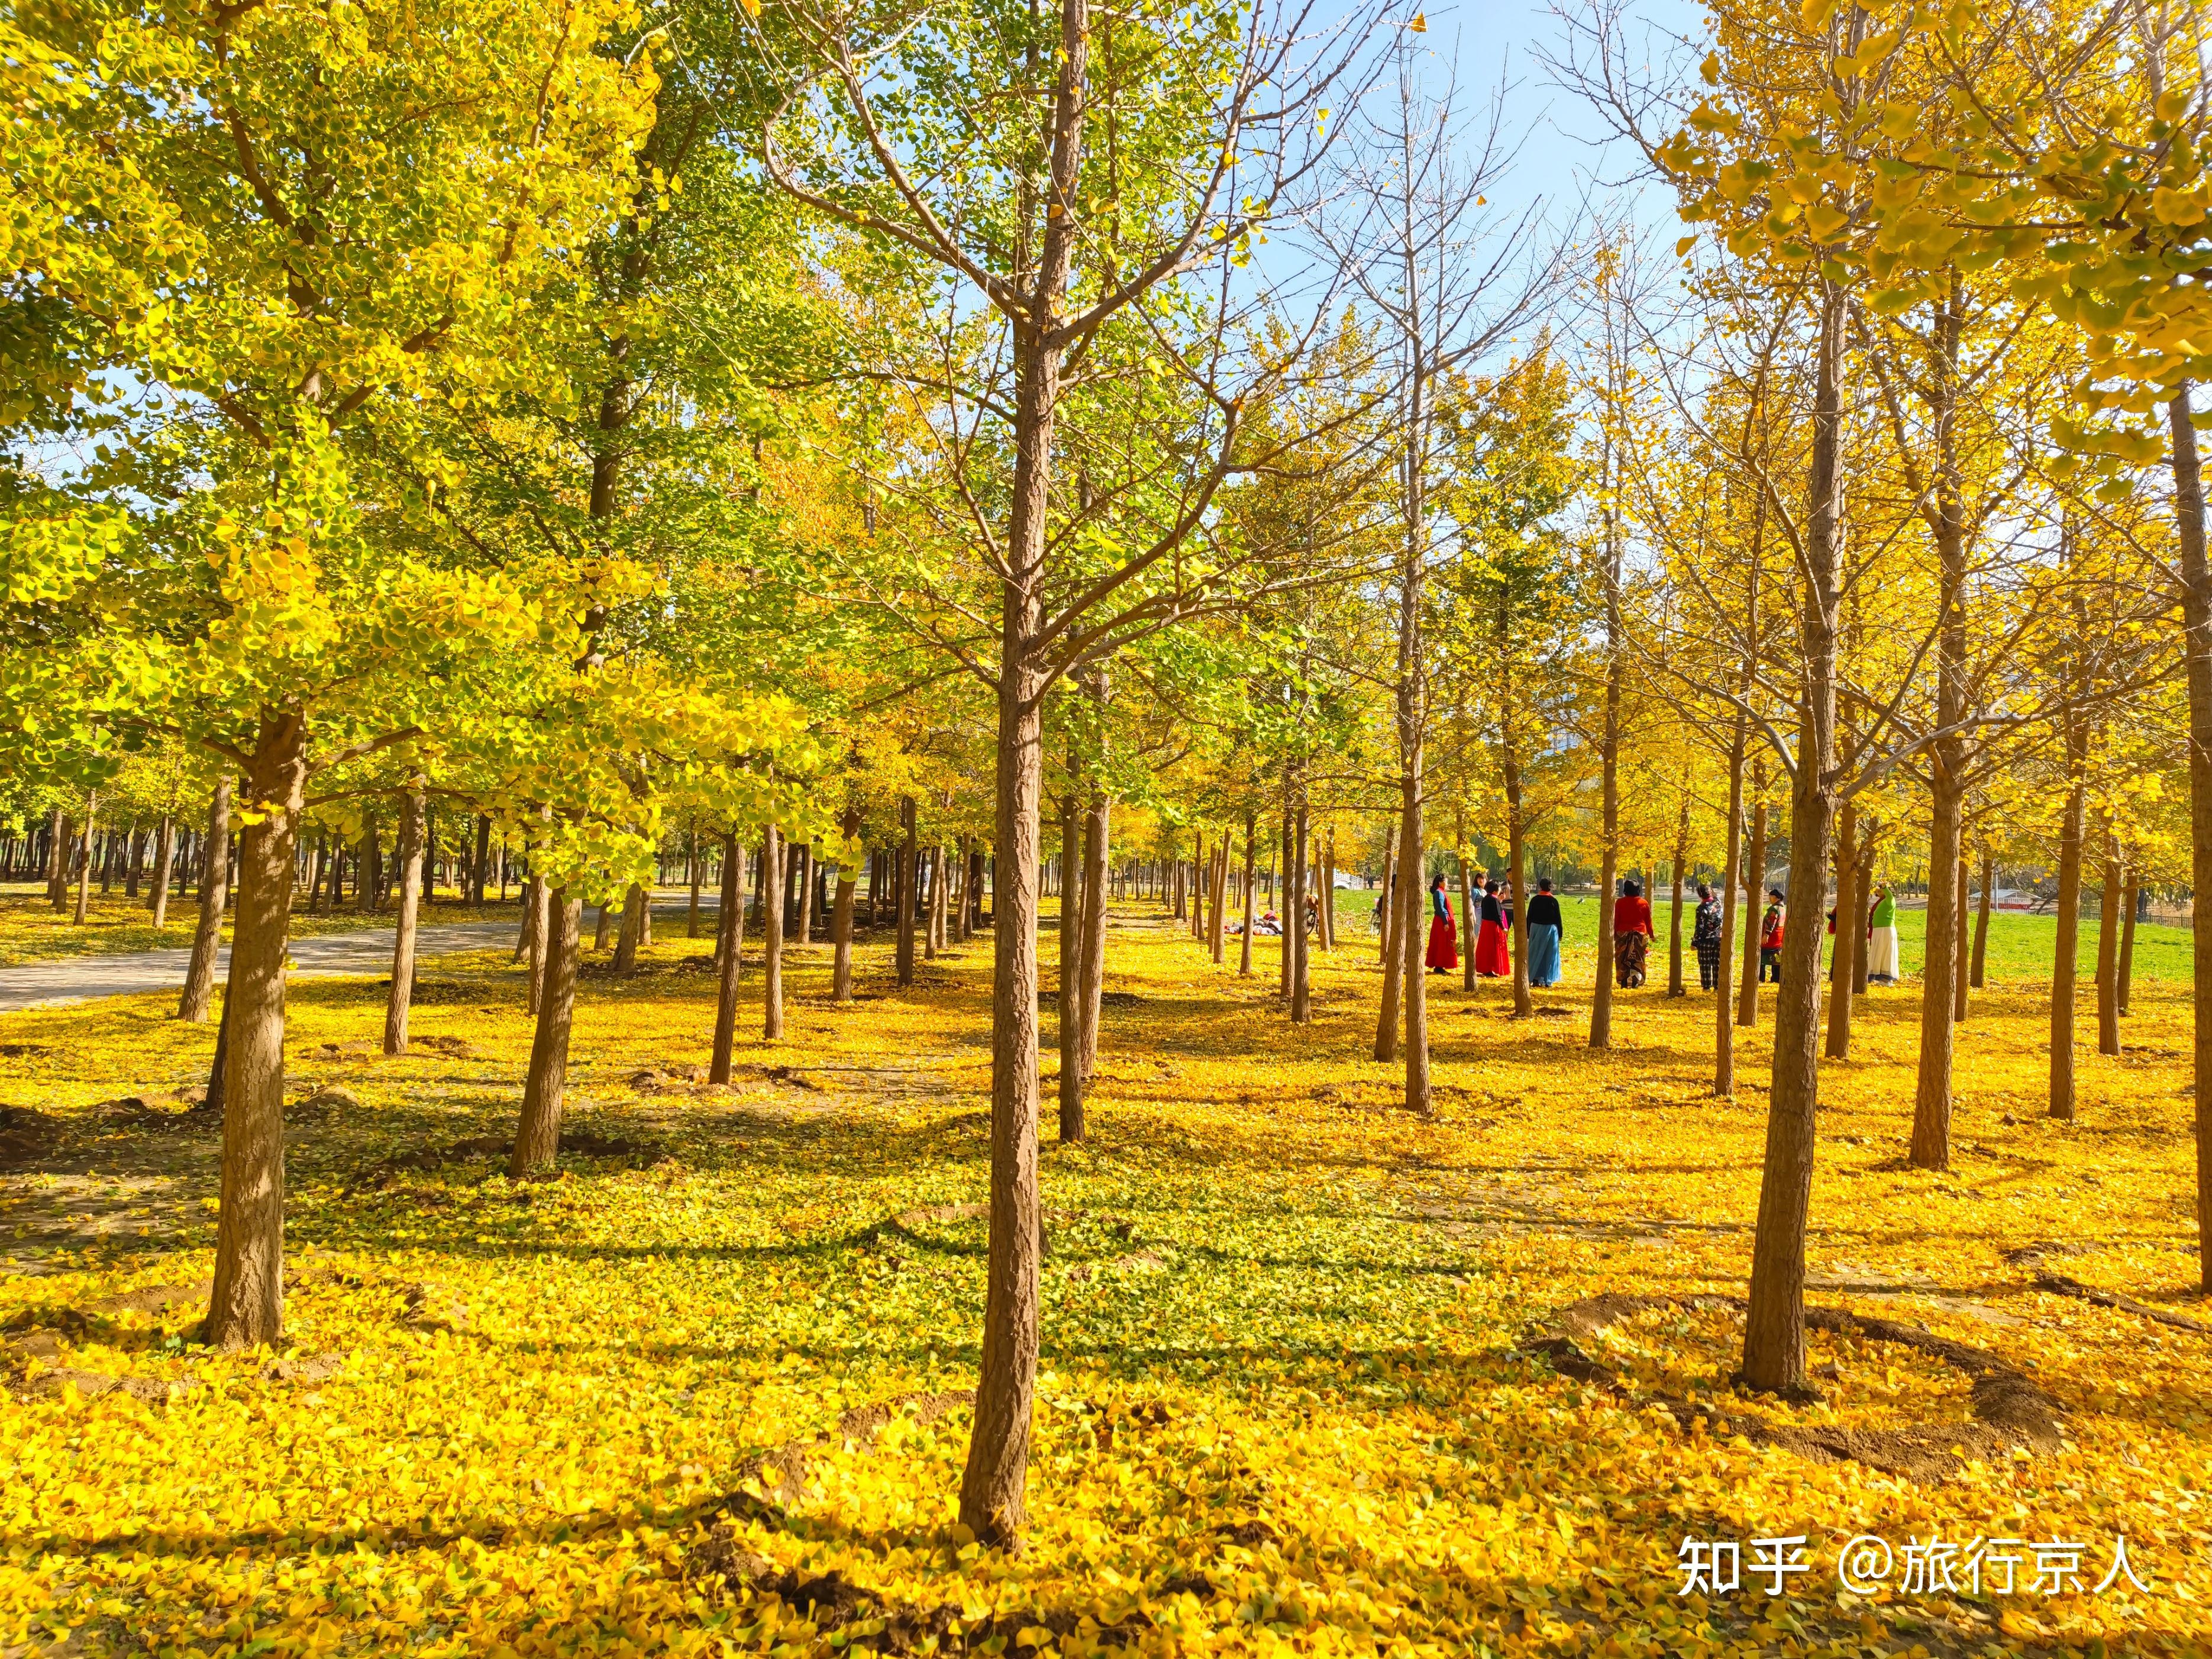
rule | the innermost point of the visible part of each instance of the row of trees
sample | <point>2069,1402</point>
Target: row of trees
<point>802,437</point>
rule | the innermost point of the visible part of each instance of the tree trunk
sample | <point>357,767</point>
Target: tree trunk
<point>214,892</point>
<point>366,893</point>
<point>1958,941</point>
<point>2196,617</point>
<point>1069,1026</point>
<point>729,935</point>
<point>2108,949</point>
<point>84,866</point>
<point>1862,868</point>
<point>165,852</point>
<point>2129,902</point>
<point>214,1101</point>
<point>1939,1003</point>
<point>538,1131</point>
<point>1843,959</point>
<point>1217,938</point>
<point>1608,880</point>
<point>633,930</point>
<point>1390,899</point>
<point>1981,920</point>
<point>806,898</point>
<point>480,865</point>
<point>1468,921</point>
<point>57,836</point>
<point>2062,968</point>
<point>247,1304</point>
<point>539,901</point>
<point>1251,869</point>
<point>1517,868</point>
<point>695,875</point>
<point>1294,920</point>
<point>1092,978</point>
<point>1393,957</point>
<point>1774,1329</point>
<point>1675,985</point>
<point>772,873</point>
<point>1327,887</point>
<point>904,891</point>
<point>841,919</point>
<point>1731,881</point>
<point>1754,888</point>
<point>397,1003</point>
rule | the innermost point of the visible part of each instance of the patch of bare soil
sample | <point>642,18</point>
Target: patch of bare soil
<point>574,1143</point>
<point>2010,1410</point>
<point>26,1136</point>
<point>2063,1286</point>
<point>861,1620</point>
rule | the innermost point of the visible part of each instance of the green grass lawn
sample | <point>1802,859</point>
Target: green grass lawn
<point>2021,947</point>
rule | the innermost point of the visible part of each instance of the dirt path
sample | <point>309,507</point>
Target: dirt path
<point>82,979</point>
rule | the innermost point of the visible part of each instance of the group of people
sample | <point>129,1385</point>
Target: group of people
<point>1493,939</point>
<point>1632,935</point>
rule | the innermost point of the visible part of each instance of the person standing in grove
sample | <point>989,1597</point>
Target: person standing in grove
<point>1443,954</point>
<point>1546,930</point>
<point>1493,956</point>
<point>1770,938</point>
<point>1631,935</point>
<point>1705,939</point>
<point>1881,937</point>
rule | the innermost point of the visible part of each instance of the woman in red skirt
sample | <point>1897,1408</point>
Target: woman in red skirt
<point>1443,935</point>
<point>1493,952</point>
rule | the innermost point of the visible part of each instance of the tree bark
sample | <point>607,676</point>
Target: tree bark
<point>1217,929</point>
<point>1843,959</point>
<point>396,1005</point>
<point>165,850</point>
<point>1754,889</point>
<point>903,890</point>
<point>841,919</point>
<point>729,934</point>
<point>539,900</point>
<point>1093,979</point>
<point>1774,1329</point>
<point>1731,881</point>
<point>480,865</point>
<point>2130,901</point>
<point>1328,887</point>
<point>2062,969</point>
<point>1468,921</point>
<point>84,864</point>
<point>246,1307</point>
<point>538,1131</point>
<point>1981,920</point>
<point>1393,956</point>
<point>772,873</point>
<point>1294,920</point>
<point>1517,868</point>
<point>695,875</point>
<point>1959,942</point>
<point>214,893</point>
<point>1939,1002</point>
<point>1069,1026</point>
<point>2108,949</point>
<point>1251,869</point>
<point>1675,985</point>
<point>633,930</point>
<point>1608,881</point>
<point>2196,617</point>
